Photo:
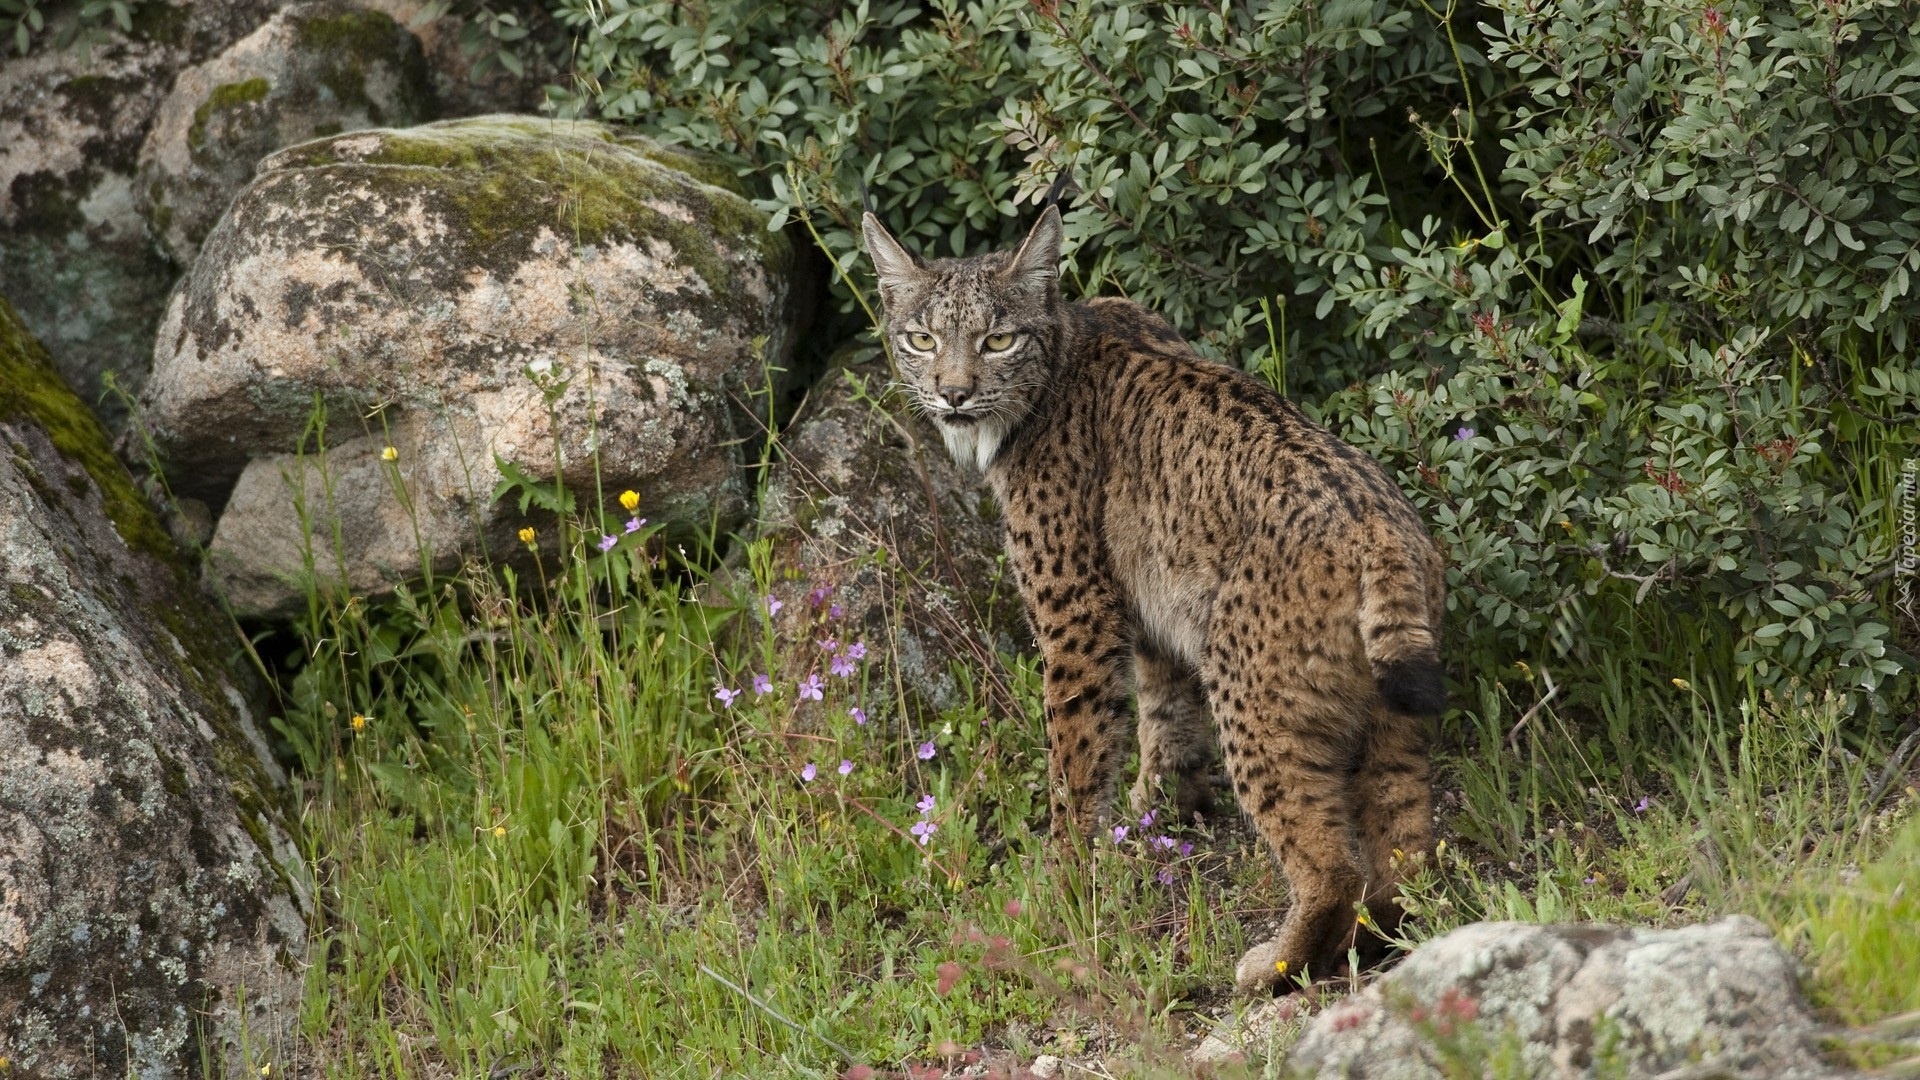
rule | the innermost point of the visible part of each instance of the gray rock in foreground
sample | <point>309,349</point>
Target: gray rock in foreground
<point>1720,999</point>
<point>566,298</point>
<point>151,902</point>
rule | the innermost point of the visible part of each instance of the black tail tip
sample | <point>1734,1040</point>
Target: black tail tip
<point>1414,687</point>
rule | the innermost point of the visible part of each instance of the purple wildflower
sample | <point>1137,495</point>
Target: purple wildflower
<point>924,830</point>
<point>1463,434</point>
<point>1164,843</point>
<point>810,689</point>
<point>1588,880</point>
<point>1165,876</point>
<point>926,751</point>
<point>809,772</point>
<point>1119,833</point>
<point>762,685</point>
<point>1186,849</point>
<point>1641,806</point>
<point>835,611</point>
<point>857,650</point>
<point>725,696</point>
<point>1146,820</point>
<point>773,605</point>
<point>859,714</point>
<point>842,666</point>
<point>828,645</point>
<point>846,767</point>
<point>925,805</point>
<point>606,542</point>
<point>818,595</point>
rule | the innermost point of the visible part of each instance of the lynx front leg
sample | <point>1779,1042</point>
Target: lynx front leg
<point>1086,698</point>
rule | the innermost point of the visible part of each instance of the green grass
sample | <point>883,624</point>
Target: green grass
<point>549,846</point>
<point>544,847</point>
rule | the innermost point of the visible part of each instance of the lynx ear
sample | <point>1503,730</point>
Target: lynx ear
<point>890,261</point>
<point>1037,263</point>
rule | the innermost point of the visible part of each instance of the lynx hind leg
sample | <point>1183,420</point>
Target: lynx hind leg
<point>1393,801</point>
<point>1287,742</point>
<point>1176,737</point>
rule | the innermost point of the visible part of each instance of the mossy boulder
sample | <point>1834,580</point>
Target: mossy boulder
<point>489,296</point>
<point>313,69</point>
<point>75,257</point>
<point>152,904</point>
<point>876,535</point>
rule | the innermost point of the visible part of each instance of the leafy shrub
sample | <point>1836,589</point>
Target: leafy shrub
<point>1619,287</point>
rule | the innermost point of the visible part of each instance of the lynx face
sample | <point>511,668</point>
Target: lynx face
<point>973,338</point>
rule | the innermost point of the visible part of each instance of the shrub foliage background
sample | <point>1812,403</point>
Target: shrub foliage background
<point>1621,288</point>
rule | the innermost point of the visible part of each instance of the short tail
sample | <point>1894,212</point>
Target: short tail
<point>1401,601</point>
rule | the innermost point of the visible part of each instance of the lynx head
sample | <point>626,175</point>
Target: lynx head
<point>973,338</point>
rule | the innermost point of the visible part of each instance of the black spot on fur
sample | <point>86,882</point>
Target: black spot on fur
<point>1412,687</point>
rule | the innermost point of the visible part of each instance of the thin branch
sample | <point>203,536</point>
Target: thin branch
<point>1513,734</point>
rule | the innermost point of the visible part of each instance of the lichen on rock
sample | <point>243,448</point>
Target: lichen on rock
<point>152,903</point>
<point>315,68</point>
<point>1717,999</point>
<point>75,258</point>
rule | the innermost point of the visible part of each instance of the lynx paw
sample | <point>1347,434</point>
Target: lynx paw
<point>1261,968</point>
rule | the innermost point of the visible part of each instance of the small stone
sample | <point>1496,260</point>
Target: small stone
<point>1046,1065</point>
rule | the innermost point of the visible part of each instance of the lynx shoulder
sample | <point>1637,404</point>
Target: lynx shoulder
<point>1186,537</point>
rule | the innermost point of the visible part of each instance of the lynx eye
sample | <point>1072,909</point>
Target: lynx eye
<point>921,340</point>
<point>999,342</point>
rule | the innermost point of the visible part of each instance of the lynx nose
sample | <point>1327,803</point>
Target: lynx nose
<point>956,396</point>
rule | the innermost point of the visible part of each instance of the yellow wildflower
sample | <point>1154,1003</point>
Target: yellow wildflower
<point>1567,525</point>
<point>526,536</point>
<point>1280,966</point>
<point>1682,684</point>
<point>630,500</point>
<point>359,722</point>
<point>1521,665</point>
<point>499,831</point>
<point>267,1069</point>
<point>389,454</point>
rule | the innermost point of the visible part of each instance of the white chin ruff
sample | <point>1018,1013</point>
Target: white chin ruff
<point>975,444</point>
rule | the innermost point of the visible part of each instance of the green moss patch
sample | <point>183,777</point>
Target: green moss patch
<point>347,44</point>
<point>354,30</point>
<point>31,388</point>
<point>225,96</point>
<point>505,178</point>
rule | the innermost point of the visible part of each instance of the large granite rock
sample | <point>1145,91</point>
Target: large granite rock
<point>876,535</point>
<point>151,902</point>
<point>491,297</point>
<point>316,68</point>
<point>1720,999</point>
<point>74,252</point>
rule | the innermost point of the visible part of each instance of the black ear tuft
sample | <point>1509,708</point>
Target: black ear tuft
<point>1412,687</point>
